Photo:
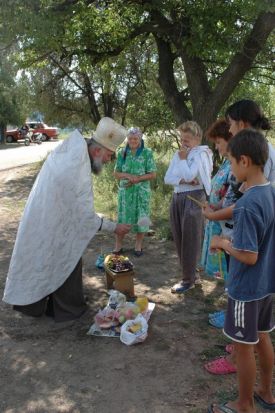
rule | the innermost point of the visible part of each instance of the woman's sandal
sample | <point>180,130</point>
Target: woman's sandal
<point>121,251</point>
<point>138,253</point>
<point>220,366</point>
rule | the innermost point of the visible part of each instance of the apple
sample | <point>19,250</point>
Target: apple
<point>129,314</point>
<point>136,310</point>
<point>121,319</point>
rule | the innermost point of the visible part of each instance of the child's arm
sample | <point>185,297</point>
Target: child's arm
<point>246,257</point>
<point>219,215</point>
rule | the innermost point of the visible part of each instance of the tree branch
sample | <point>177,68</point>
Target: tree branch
<point>243,60</point>
<point>91,98</point>
<point>66,72</point>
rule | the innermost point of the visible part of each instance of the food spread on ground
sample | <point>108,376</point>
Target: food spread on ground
<point>109,321</point>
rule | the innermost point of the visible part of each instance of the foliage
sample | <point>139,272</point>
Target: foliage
<point>153,63</point>
<point>10,111</point>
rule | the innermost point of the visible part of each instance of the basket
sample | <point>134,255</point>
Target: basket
<point>122,281</point>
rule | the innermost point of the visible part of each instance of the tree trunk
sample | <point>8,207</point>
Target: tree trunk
<point>166,79</point>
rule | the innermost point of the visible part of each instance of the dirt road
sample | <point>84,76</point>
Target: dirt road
<point>17,154</point>
<point>58,368</point>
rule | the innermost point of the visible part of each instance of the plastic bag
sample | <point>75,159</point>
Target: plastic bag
<point>100,262</point>
<point>129,338</point>
<point>106,318</point>
<point>116,298</point>
<point>144,221</point>
<point>127,311</point>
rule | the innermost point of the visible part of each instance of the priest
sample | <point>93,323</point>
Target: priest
<point>45,273</point>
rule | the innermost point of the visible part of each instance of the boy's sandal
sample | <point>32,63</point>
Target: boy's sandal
<point>220,366</point>
<point>217,322</point>
<point>263,403</point>
<point>222,408</point>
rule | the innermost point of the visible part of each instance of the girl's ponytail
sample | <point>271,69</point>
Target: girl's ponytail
<point>263,123</point>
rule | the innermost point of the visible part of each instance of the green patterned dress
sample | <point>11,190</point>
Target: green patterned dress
<point>134,201</point>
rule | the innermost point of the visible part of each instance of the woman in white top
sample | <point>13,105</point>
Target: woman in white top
<point>190,174</point>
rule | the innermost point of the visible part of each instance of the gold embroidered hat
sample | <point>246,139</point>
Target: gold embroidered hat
<point>109,133</point>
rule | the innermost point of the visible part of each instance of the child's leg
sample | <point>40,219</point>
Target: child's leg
<point>266,362</point>
<point>246,371</point>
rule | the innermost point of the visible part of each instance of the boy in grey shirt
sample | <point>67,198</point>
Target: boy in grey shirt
<point>251,279</point>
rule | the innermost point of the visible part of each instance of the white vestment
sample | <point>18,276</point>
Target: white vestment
<point>58,222</point>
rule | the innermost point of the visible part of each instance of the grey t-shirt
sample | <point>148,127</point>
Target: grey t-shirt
<point>254,231</point>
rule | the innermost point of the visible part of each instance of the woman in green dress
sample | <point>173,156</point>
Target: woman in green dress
<point>135,167</point>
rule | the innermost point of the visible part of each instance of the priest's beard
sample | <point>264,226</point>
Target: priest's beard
<point>96,165</point>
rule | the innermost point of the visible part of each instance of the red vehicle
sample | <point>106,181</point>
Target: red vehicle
<point>13,135</point>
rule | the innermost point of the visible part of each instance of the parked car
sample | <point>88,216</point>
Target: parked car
<point>13,135</point>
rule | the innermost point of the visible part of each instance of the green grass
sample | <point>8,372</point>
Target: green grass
<point>12,206</point>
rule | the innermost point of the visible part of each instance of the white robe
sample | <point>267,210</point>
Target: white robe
<point>58,222</point>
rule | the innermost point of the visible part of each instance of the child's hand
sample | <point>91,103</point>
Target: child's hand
<point>218,205</point>
<point>216,243</point>
<point>207,211</point>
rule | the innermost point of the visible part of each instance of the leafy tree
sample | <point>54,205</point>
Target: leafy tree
<point>9,104</point>
<point>202,51</point>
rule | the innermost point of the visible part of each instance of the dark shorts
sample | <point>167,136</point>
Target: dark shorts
<point>244,320</point>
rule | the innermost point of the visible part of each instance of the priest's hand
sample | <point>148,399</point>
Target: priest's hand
<point>122,229</point>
